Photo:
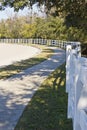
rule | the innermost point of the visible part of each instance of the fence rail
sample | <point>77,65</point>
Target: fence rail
<point>59,43</point>
<point>76,87</point>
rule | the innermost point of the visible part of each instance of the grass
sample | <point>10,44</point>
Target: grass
<point>47,110</point>
<point>17,67</point>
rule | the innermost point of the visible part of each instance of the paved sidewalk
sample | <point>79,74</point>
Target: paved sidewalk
<point>14,52</point>
<point>16,92</point>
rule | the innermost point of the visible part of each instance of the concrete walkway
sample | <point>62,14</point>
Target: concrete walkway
<point>11,53</point>
<point>16,92</point>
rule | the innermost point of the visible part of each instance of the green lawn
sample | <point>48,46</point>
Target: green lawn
<point>47,110</point>
<point>17,67</point>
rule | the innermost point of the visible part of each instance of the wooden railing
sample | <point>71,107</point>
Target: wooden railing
<point>76,87</point>
<point>49,42</point>
<point>59,43</point>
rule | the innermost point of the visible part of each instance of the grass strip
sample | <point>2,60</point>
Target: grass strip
<point>17,67</point>
<point>47,110</point>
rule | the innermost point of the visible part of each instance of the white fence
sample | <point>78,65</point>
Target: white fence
<point>59,43</point>
<point>76,87</point>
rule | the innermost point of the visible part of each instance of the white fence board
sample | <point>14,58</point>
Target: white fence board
<point>76,86</point>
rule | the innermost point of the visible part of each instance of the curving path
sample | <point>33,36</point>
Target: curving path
<point>16,92</point>
<point>10,53</point>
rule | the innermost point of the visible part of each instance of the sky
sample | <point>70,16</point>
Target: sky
<point>9,12</point>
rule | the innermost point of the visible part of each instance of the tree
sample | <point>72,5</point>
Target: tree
<point>74,11</point>
<point>28,30</point>
<point>17,4</point>
<point>14,27</point>
<point>51,28</point>
<point>2,29</point>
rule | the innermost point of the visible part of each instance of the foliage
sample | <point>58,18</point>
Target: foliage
<point>74,11</point>
<point>28,30</point>
<point>17,4</point>
<point>69,22</point>
<point>49,28</point>
<point>76,15</point>
<point>2,29</point>
<point>75,34</point>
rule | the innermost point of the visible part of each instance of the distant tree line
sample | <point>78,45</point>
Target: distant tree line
<point>35,27</point>
<point>66,20</point>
